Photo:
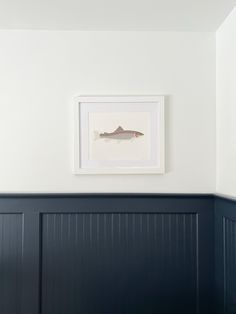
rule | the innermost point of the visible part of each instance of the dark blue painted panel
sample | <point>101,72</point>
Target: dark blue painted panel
<point>114,253</point>
<point>11,252</point>
<point>225,255</point>
<point>120,263</point>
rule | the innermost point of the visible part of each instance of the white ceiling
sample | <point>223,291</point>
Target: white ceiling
<point>161,15</point>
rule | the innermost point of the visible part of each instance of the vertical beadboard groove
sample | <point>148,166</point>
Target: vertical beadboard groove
<point>197,263</point>
<point>224,263</point>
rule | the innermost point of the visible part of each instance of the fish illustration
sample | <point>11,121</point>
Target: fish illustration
<point>120,134</point>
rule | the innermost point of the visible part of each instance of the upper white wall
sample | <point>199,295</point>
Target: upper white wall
<point>41,71</point>
<point>226,106</point>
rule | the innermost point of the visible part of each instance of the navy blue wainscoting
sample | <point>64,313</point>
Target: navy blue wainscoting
<point>103,254</point>
<point>225,255</point>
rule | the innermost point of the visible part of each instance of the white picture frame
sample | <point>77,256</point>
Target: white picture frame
<point>111,106</point>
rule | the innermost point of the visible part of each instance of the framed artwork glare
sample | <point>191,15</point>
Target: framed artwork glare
<point>119,135</point>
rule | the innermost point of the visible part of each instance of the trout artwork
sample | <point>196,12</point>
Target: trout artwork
<point>119,134</point>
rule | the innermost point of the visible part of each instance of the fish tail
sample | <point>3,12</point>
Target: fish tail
<point>96,135</point>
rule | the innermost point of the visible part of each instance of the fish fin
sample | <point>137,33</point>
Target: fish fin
<point>119,129</point>
<point>96,135</point>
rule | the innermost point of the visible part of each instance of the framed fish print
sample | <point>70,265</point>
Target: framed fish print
<point>119,135</point>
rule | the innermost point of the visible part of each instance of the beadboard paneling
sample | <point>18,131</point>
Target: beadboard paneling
<point>225,257</point>
<point>120,263</point>
<point>98,254</point>
<point>11,252</point>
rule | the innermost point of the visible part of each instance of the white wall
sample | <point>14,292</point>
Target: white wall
<point>226,106</point>
<point>41,71</point>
